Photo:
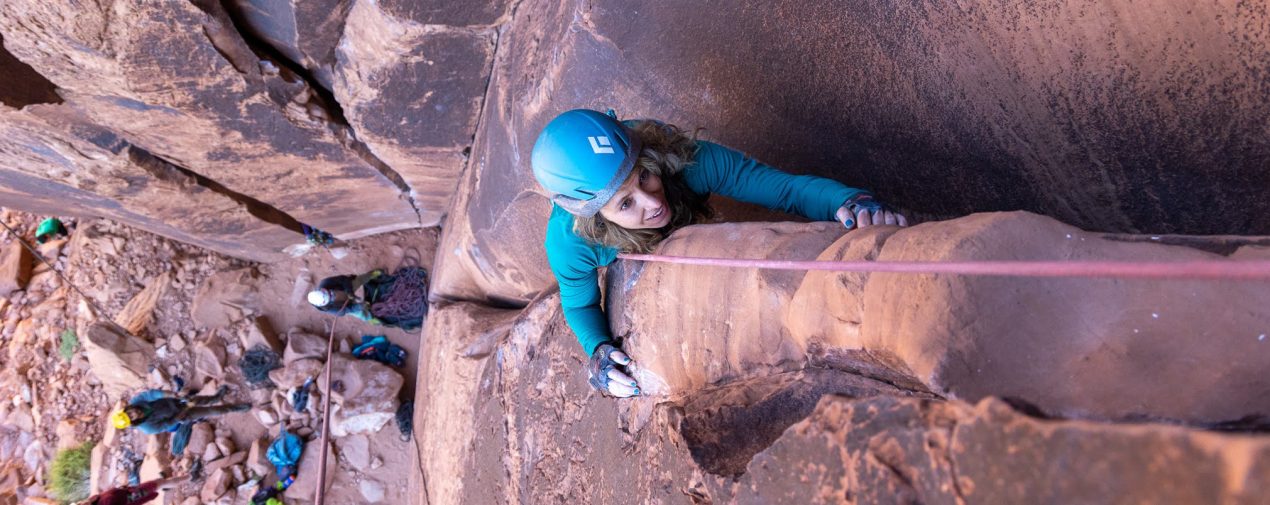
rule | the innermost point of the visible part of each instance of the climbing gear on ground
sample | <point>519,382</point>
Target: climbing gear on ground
<point>400,299</point>
<point>317,237</point>
<point>120,420</point>
<point>256,364</point>
<point>284,453</point>
<point>132,465</point>
<point>300,398</point>
<point>268,495</point>
<point>321,297</point>
<point>49,228</point>
<point>196,470</point>
<point>582,157</point>
<point>604,373</point>
<point>405,418</point>
<point>378,348</point>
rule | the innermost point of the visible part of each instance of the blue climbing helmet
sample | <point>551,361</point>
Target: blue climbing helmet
<point>582,157</point>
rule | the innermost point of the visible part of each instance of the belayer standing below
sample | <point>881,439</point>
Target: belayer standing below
<point>154,411</point>
<point>623,186</point>
<point>399,300</point>
<point>337,295</point>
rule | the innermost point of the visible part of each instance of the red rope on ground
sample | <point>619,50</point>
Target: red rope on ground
<point>1209,269</point>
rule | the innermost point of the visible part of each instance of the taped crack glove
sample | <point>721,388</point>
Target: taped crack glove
<point>861,211</point>
<point>605,374</point>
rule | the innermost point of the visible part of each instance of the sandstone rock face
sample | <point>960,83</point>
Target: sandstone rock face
<point>449,390</point>
<point>714,324</point>
<point>58,161</point>
<point>885,450</point>
<point>409,77</point>
<point>1054,343</point>
<point>201,99</point>
<point>227,124</point>
<point>239,112</point>
<point>413,90</point>
<point>1072,111</point>
<point>522,426</point>
<point>1185,350</point>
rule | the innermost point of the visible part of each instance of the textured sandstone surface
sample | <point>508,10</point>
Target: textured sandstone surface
<point>1189,351</point>
<point>1110,349</point>
<point>353,117</point>
<point>886,450</point>
<point>199,97</point>
<point>409,77</point>
<point>228,123</point>
<point>59,162</point>
<point>520,425</point>
<point>358,116</point>
<point>1112,116</point>
<point>710,324</point>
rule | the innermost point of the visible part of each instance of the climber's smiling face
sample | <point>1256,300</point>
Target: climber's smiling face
<point>639,204</point>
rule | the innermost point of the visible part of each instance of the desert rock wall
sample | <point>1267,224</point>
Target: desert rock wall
<point>363,132</point>
<point>1111,116</point>
<point>360,116</point>
<point>1107,349</point>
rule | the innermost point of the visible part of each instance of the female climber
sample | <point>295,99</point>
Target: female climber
<point>623,186</point>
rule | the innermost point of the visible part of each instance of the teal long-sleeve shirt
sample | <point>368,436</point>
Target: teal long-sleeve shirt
<point>575,261</point>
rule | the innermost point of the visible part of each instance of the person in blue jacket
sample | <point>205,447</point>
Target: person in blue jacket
<point>623,186</point>
<point>155,411</point>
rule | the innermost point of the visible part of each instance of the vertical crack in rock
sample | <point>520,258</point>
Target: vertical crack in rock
<point>513,459</point>
<point>489,80</point>
<point>23,85</point>
<point>321,103</point>
<point>946,453</point>
<point>167,171</point>
<point>894,463</point>
<point>229,41</point>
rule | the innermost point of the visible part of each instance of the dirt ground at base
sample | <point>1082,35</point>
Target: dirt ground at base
<point>54,402</point>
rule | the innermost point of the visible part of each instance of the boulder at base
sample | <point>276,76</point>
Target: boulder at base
<point>365,395</point>
<point>15,268</point>
<point>120,361</point>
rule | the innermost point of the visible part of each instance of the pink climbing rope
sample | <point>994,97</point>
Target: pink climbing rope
<point>1210,269</point>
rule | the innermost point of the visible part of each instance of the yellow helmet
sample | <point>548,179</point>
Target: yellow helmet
<point>120,420</point>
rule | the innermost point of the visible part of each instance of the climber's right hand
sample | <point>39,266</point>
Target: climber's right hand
<point>862,211</point>
<point>605,374</point>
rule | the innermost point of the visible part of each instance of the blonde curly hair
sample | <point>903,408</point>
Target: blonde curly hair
<point>666,152</point>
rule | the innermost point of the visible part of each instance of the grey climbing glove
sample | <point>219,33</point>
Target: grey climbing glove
<point>606,374</point>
